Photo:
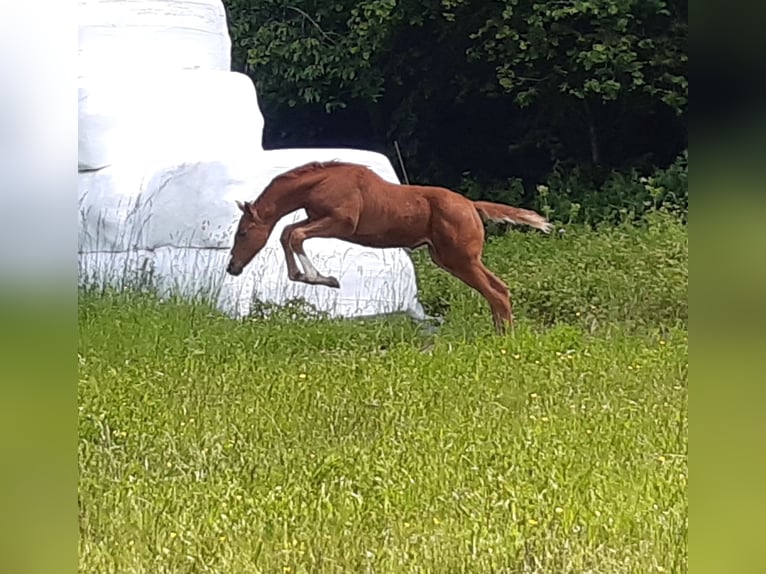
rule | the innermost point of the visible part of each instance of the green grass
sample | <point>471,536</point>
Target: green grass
<point>294,444</point>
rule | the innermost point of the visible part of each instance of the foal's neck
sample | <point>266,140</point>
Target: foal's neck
<point>277,200</point>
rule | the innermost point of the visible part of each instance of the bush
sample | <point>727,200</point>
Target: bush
<point>589,196</point>
<point>577,196</point>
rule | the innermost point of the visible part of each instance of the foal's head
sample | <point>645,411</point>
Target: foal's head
<point>249,239</point>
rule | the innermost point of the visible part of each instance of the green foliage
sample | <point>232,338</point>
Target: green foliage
<point>598,49</point>
<point>575,196</point>
<point>322,53</point>
<point>501,89</point>
<point>510,191</point>
<point>575,47</point>
<point>302,444</point>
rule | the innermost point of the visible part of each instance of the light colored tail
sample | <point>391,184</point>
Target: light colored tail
<point>505,213</point>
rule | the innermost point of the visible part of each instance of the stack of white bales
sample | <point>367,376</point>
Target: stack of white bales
<point>169,139</point>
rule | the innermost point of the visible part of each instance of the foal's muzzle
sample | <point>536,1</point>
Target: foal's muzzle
<point>233,269</point>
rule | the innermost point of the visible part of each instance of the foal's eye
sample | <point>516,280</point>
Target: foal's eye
<point>241,233</point>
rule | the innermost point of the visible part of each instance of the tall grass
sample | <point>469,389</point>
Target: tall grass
<point>288,442</point>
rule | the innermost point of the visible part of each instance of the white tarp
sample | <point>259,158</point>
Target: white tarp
<point>128,36</point>
<point>161,118</point>
<point>165,154</point>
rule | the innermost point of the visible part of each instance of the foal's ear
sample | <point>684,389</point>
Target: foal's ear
<point>248,209</point>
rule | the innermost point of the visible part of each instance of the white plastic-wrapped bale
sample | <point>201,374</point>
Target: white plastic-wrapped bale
<point>128,36</point>
<point>181,221</point>
<point>162,118</point>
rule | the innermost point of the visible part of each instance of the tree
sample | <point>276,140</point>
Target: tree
<point>311,52</point>
<point>573,56</point>
<point>501,88</point>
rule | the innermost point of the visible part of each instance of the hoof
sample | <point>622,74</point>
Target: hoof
<point>332,282</point>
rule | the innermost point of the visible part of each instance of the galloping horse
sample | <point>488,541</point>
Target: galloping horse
<point>352,203</point>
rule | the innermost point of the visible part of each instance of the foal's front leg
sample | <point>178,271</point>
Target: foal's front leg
<point>292,267</point>
<point>292,241</point>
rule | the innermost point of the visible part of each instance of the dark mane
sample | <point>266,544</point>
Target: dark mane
<point>302,170</point>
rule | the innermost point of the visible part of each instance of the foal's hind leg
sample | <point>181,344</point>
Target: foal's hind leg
<point>504,297</point>
<point>481,279</point>
<point>472,272</point>
<point>318,228</point>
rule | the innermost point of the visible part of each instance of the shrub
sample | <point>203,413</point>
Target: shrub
<point>577,196</point>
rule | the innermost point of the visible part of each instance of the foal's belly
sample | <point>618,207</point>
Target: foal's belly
<point>401,222</point>
<point>394,238</point>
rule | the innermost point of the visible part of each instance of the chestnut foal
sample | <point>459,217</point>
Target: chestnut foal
<point>352,203</point>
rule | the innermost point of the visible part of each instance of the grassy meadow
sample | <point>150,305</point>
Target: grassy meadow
<point>298,444</point>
